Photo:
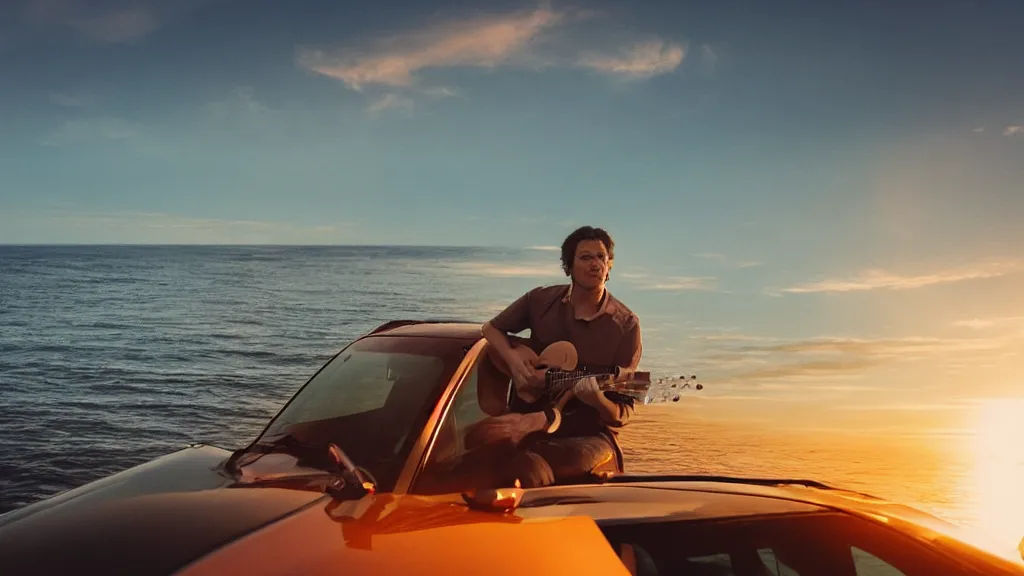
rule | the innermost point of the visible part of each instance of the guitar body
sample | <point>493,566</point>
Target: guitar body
<point>557,372</point>
<point>559,356</point>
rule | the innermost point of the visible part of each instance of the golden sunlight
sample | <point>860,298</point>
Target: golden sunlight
<point>998,473</point>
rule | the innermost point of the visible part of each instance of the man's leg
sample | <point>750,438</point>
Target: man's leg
<point>548,460</point>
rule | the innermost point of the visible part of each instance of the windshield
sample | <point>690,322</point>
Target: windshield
<point>373,399</point>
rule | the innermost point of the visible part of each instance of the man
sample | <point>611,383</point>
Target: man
<point>605,333</point>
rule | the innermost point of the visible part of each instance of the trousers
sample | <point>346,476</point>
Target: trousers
<point>537,461</point>
<point>549,460</point>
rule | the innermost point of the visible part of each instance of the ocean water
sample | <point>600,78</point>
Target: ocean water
<point>110,356</point>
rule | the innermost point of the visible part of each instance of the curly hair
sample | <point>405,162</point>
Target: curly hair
<point>580,234</point>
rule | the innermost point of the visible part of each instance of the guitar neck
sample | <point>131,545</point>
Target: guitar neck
<point>607,380</point>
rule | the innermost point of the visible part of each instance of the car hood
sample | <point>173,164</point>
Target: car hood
<point>408,534</point>
<point>150,519</point>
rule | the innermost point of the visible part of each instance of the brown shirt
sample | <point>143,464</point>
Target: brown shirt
<point>610,338</point>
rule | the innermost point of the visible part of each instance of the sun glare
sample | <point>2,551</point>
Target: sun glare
<point>998,471</point>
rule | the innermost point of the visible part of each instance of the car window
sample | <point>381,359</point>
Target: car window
<point>372,399</point>
<point>786,545</point>
<point>465,411</point>
<point>481,394</point>
<point>772,563</point>
<point>868,564</point>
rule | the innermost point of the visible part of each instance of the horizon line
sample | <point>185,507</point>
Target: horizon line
<point>248,245</point>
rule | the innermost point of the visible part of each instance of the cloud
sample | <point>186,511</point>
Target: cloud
<point>482,42</point>
<point>809,368</point>
<point>526,39</point>
<point>1013,130</point>
<point>742,359</point>
<point>880,279</point>
<point>117,27</point>
<point>642,60</point>
<point>668,283</point>
<point>986,323</point>
<point>728,338</point>
<point>390,101</point>
<point>921,407</point>
<point>521,270</point>
<point>441,92</point>
<point>544,248</point>
<point>878,347</point>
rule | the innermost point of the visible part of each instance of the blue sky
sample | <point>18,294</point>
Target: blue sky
<point>847,178</point>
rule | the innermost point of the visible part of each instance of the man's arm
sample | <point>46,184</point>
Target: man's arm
<point>627,357</point>
<point>513,319</point>
<point>630,350</point>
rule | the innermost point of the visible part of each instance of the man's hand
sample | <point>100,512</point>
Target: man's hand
<point>511,427</point>
<point>588,391</point>
<point>523,371</point>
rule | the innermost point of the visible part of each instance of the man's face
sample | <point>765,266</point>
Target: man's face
<point>591,265</point>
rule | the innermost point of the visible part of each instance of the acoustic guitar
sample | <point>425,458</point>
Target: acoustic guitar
<point>559,363</point>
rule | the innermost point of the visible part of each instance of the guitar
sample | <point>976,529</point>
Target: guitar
<point>559,362</point>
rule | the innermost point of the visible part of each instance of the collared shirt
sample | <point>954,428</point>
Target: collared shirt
<point>611,337</point>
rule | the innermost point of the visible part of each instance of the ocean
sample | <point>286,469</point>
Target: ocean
<point>113,355</point>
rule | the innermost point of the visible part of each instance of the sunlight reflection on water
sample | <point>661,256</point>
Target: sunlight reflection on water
<point>977,483</point>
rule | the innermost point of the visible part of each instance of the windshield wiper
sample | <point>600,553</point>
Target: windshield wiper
<point>259,449</point>
<point>347,482</point>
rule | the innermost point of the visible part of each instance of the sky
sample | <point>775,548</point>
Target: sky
<point>805,194</point>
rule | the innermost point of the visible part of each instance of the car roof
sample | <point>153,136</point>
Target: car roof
<point>460,329</point>
<point>609,503</point>
<point>757,494</point>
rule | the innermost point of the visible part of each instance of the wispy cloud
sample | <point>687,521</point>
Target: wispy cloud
<point>742,359</point>
<point>642,60</point>
<point>669,283</point>
<point>881,279</point>
<point>727,337</point>
<point>544,248</point>
<point>918,407</point>
<point>986,323</point>
<point>390,101</point>
<point>402,61</point>
<point>807,368</point>
<point>1013,130</point>
<point>522,270</point>
<point>441,92</point>
<point>875,347</point>
<point>482,42</point>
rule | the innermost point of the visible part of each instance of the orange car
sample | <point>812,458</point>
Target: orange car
<point>349,478</point>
